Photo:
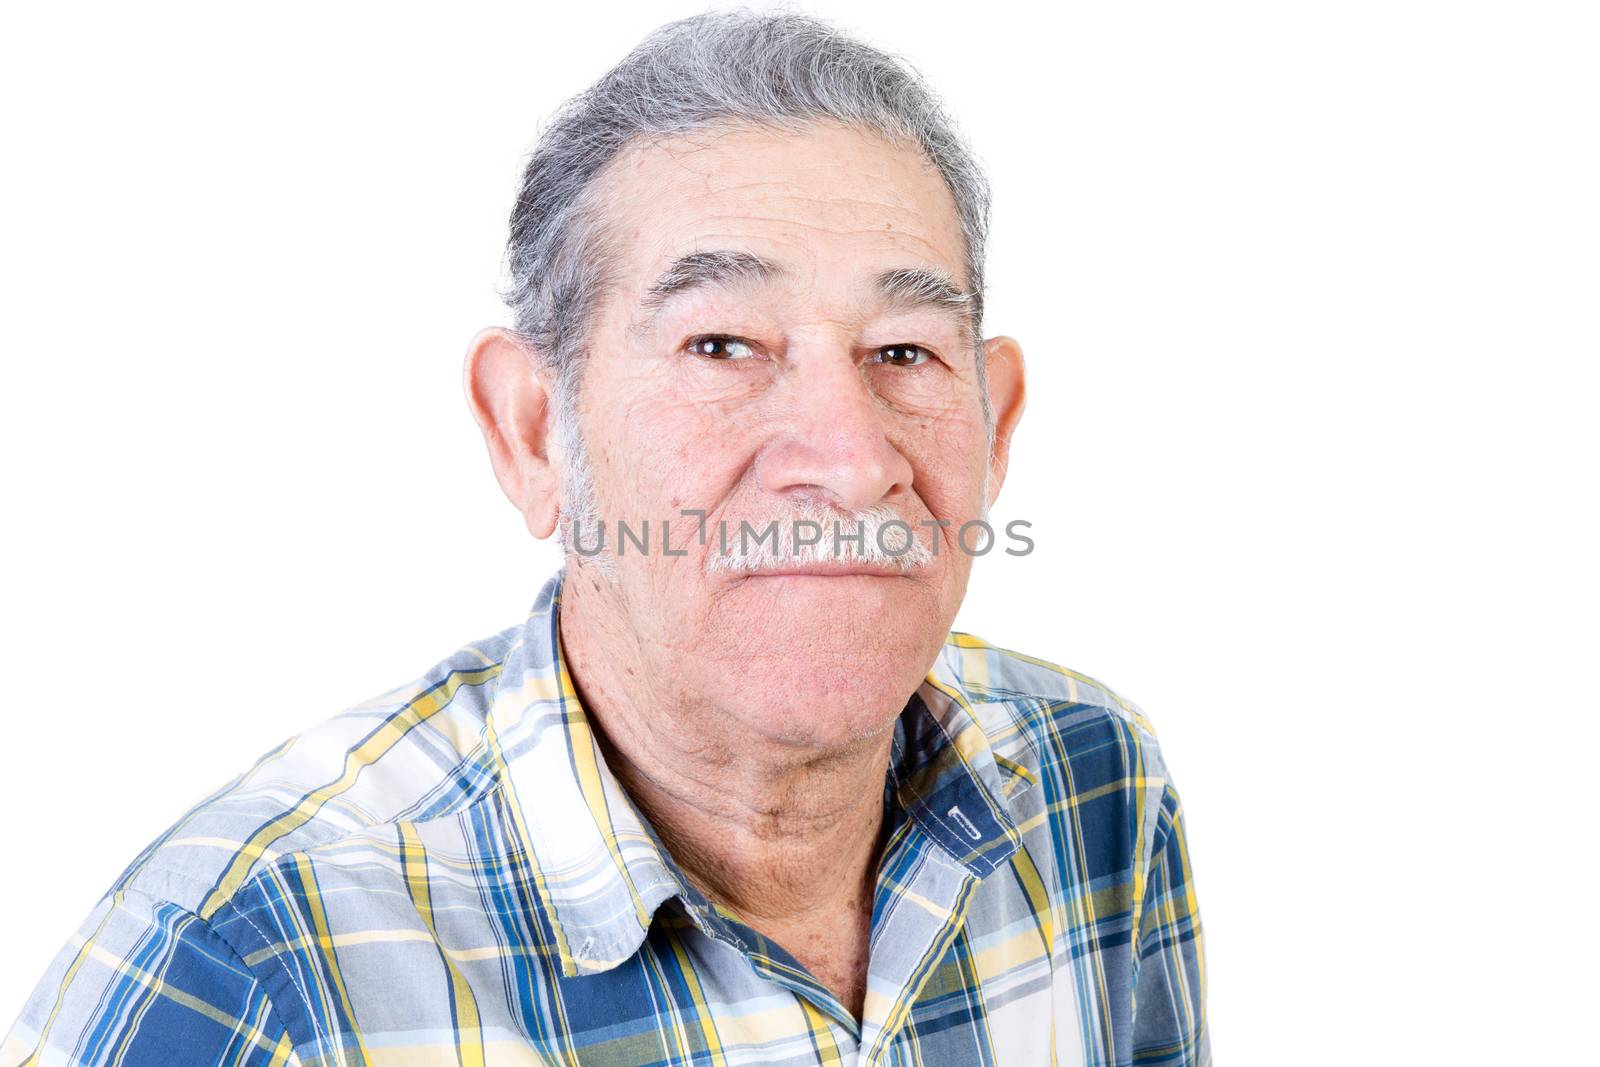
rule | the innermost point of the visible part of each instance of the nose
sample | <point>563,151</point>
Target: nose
<point>832,439</point>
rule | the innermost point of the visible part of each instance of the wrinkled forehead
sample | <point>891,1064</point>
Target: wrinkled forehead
<point>834,209</point>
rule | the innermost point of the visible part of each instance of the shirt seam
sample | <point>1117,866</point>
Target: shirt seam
<point>233,950</point>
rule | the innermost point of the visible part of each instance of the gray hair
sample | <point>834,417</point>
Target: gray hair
<point>774,69</point>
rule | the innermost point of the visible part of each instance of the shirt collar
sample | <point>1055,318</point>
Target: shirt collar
<point>597,865</point>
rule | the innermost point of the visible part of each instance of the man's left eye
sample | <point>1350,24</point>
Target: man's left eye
<point>904,355</point>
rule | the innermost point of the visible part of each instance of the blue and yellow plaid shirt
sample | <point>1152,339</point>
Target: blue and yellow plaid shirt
<point>449,874</point>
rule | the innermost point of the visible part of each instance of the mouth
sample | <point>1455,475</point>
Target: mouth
<point>827,570</point>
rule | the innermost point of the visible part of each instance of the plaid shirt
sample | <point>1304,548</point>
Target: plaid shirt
<point>449,874</point>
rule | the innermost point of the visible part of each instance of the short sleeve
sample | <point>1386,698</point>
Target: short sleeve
<point>143,983</point>
<point>1169,1025</point>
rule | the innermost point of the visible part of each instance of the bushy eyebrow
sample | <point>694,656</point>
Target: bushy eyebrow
<point>719,267</point>
<point>901,287</point>
<point>916,287</point>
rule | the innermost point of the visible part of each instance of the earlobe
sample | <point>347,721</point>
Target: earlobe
<point>1008,395</point>
<point>511,404</point>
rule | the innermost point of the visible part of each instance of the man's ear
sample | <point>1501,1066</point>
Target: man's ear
<point>1008,395</point>
<point>510,400</point>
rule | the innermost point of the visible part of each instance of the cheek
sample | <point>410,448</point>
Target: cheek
<point>719,390</point>
<point>670,453</point>
<point>928,392</point>
<point>949,454</point>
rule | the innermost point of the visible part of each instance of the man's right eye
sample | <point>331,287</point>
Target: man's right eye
<point>720,346</point>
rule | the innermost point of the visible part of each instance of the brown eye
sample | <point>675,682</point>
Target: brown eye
<point>904,355</point>
<point>717,346</point>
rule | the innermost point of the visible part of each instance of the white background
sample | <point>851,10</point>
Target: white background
<point>1308,299</point>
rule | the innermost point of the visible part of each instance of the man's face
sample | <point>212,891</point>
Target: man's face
<point>750,398</point>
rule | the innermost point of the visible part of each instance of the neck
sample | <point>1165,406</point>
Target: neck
<point>782,834</point>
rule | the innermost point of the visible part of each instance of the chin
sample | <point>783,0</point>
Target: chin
<point>821,725</point>
<point>825,696</point>
<point>821,660</point>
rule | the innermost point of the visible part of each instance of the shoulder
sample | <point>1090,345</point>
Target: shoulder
<point>1045,715</point>
<point>1086,771</point>
<point>413,753</point>
<point>145,980</point>
<point>328,834</point>
<point>1089,788</point>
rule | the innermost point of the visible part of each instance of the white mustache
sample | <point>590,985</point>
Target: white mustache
<point>862,537</point>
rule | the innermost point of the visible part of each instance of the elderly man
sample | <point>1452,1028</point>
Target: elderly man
<point>733,792</point>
